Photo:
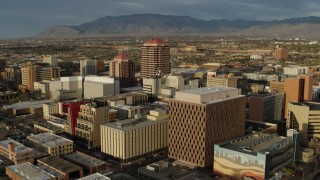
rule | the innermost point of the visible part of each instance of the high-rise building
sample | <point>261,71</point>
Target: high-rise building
<point>123,69</point>
<point>266,107</point>
<point>90,118</point>
<point>155,58</point>
<point>199,118</point>
<point>51,60</point>
<point>297,90</point>
<point>281,53</point>
<point>3,64</point>
<point>304,117</point>
<point>88,67</point>
<point>34,73</point>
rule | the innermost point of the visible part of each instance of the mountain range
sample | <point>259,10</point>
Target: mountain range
<point>156,24</point>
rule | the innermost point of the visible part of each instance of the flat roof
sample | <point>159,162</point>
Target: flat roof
<point>49,139</point>
<point>84,159</point>
<point>19,148</point>
<point>206,90</point>
<point>255,143</point>
<point>59,164</point>
<point>28,104</point>
<point>130,124</point>
<point>312,105</point>
<point>95,176</point>
<point>30,171</point>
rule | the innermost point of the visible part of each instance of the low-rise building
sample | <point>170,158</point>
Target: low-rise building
<point>28,171</point>
<point>134,138</point>
<point>50,109</point>
<point>60,168</point>
<point>27,107</point>
<point>257,155</point>
<point>16,152</point>
<point>51,143</point>
<point>89,164</point>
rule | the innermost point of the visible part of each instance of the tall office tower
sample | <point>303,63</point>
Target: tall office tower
<point>90,118</point>
<point>199,118</point>
<point>281,53</point>
<point>123,70</point>
<point>155,58</point>
<point>88,67</point>
<point>3,64</point>
<point>51,60</point>
<point>34,73</point>
<point>266,107</point>
<point>297,90</point>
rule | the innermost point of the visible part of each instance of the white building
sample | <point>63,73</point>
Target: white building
<point>255,57</point>
<point>295,70</point>
<point>88,67</point>
<point>103,86</point>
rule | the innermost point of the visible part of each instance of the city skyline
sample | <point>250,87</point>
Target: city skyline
<point>25,19</point>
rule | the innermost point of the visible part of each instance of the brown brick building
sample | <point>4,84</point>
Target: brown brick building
<point>199,118</point>
<point>155,57</point>
<point>123,69</point>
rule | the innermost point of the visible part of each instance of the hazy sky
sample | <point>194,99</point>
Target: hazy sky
<point>23,18</point>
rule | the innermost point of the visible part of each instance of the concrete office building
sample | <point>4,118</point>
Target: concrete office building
<point>257,155</point>
<point>304,117</point>
<point>66,88</point>
<point>88,67</point>
<point>51,60</point>
<point>50,109</point>
<point>199,118</point>
<point>297,90</point>
<point>89,120</point>
<point>34,73</point>
<point>281,53</point>
<point>43,87</point>
<point>60,168</point>
<point>123,69</point>
<point>133,138</point>
<point>16,152</point>
<point>51,143</point>
<point>104,86</point>
<point>155,58</point>
<point>277,87</point>
<point>132,99</point>
<point>152,86</point>
<point>221,82</point>
<point>28,171</point>
<point>266,107</point>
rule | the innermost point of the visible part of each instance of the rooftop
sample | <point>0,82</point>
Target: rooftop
<point>30,171</point>
<point>28,104</point>
<point>154,42</point>
<point>312,105</point>
<point>84,159</point>
<point>131,124</point>
<point>95,176</point>
<point>48,139</point>
<point>257,143</point>
<point>121,57</point>
<point>59,164</point>
<point>19,148</point>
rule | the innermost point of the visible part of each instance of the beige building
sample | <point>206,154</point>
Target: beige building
<point>276,86</point>
<point>51,143</point>
<point>221,82</point>
<point>49,109</point>
<point>89,120</point>
<point>104,86</point>
<point>200,118</point>
<point>155,58</point>
<point>43,87</point>
<point>51,60</point>
<point>34,73</point>
<point>133,138</point>
<point>304,117</point>
<point>16,152</point>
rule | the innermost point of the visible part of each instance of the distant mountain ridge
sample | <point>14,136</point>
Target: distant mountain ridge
<point>140,24</point>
